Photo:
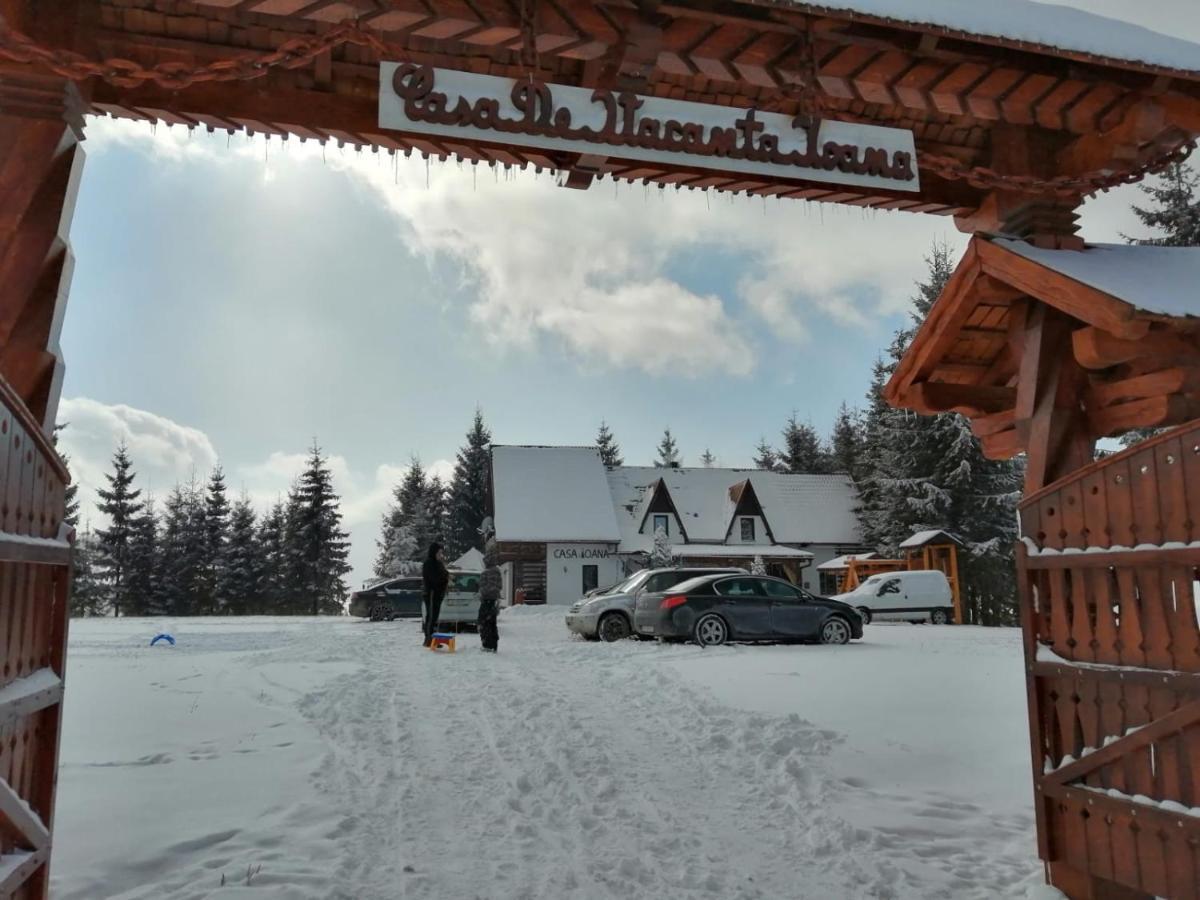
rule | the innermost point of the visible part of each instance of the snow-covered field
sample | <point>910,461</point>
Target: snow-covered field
<point>337,759</point>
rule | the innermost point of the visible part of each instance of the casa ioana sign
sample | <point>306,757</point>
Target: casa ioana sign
<point>554,117</point>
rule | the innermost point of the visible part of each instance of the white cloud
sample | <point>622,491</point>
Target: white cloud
<point>165,452</point>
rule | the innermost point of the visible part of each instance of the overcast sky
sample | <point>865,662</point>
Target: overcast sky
<point>234,300</point>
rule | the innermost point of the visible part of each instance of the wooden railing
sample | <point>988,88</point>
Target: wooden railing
<point>35,564</point>
<point>1108,563</point>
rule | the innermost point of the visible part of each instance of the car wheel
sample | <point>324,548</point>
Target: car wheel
<point>381,612</point>
<point>835,631</point>
<point>710,631</point>
<point>613,627</point>
<point>866,615</point>
<point>939,617</point>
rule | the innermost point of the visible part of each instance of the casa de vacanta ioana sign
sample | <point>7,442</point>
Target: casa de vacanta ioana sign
<point>528,113</point>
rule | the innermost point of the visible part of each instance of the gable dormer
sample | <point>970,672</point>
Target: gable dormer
<point>660,504</point>
<point>747,522</point>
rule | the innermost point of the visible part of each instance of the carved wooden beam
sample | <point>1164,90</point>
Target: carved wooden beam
<point>1097,348</point>
<point>1151,412</point>
<point>1178,380</point>
<point>969,399</point>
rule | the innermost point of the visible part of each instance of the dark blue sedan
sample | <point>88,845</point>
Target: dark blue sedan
<point>711,610</point>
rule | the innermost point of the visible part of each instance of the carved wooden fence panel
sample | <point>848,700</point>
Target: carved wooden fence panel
<point>1108,566</point>
<point>35,565</point>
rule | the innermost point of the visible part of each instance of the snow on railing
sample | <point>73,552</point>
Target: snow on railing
<point>1034,550</point>
<point>1171,806</point>
<point>1046,654</point>
<point>1048,766</point>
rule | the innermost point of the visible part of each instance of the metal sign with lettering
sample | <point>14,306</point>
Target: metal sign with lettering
<point>528,113</point>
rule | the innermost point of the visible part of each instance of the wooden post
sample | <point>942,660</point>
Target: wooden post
<point>41,126</point>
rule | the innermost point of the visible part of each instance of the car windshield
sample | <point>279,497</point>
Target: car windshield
<point>631,584</point>
<point>686,587</point>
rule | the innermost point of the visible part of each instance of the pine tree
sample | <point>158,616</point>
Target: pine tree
<point>401,555</point>
<point>668,452</point>
<point>273,588</point>
<point>610,450</point>
<point>765,457</point>
<point>662,557</point>
<point>468,503</point>
<point>847,442</point>
<point>1176,209</point>
<point>216,540</point>
<point>802,451</point>
<point>707,459</point>
<point>120,503</point>
<point>321,547</point>
<point>87,588</point>
<point>929,472</point>
<point>243,561</point>
<point>437,515</point>
<point>409,524</point>
<point>71,495</point>
<point>182,555</point>
<point>144,596</point>
<point>758,567</point>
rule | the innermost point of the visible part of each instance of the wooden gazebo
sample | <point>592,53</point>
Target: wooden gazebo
<point>1002,122</point>
<point>1047,350</point>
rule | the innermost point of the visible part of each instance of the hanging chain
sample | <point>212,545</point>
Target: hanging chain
<point>529,50</point>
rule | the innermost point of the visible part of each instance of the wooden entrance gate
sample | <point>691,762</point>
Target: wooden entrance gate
<point>1108,572</point>
<point>1006,135</point>
<point>35,562</point>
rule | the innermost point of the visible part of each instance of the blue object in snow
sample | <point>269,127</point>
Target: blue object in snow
<point>163,637</point>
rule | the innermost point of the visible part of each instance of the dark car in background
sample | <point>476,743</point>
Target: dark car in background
<point>714,609</point>
<point>391,598</point>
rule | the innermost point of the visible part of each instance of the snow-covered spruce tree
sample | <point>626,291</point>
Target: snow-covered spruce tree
<point>758,567</point>
<point>143,595</point>
<point>321,546</point>
<point>925,472</point>
<point>87,587</point>
<point>610,450</point>
<point>71,495</point>
<point>663,556</point>
<point>872,514</point>
<point>1175,215</point>
<point>273,588</point>
<point>181,552</point>
<point>437,515</point>
<point>401,556</point>
<point>707,459</point>
<point>119,502</point>
<point>668,452</point>
<point>216,541</point>
<point>411,511</point>
<point>846,445</point>
<point>469,490</point>
<point>802,452</point>
<point>243,561</point>
<point>765,457</point>
<point>1175,212</point>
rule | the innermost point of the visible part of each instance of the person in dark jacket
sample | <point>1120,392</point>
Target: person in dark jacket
<point>436,578</point>
<point>490,585</point>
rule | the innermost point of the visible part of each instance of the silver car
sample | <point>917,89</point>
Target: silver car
<point>609,616</point>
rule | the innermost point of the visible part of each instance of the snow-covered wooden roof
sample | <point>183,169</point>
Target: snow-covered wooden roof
<point>1029,25</point>
<point>1162,280</point>
<point>921,538</point>
<point>552,494</point>
<point>841,563</point>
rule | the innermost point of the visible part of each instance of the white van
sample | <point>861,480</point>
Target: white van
<point>903,597</point>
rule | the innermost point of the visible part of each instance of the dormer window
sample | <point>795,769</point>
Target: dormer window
<point>663,522</point>
<point>748,530</point>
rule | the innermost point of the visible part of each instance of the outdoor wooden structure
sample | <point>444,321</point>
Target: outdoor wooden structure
<point>1078,345</point>
<point>1009,135</point>
<point>924,551</point>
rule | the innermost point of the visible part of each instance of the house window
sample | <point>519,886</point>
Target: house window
<point>591,578</point>
<point>747,531</point>
<point>663,522</point>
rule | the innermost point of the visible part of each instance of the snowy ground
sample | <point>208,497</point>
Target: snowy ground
<point>347,762</point>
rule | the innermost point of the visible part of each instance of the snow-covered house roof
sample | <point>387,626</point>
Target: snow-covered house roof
<point>841,563</point>
<point>739,551</point>
<point>921,538</point>
<point>1027,25</point>
<point>552,494</point>
<point>798,509</point>
<point>1162,280</point>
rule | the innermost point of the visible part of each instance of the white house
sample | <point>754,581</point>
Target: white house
<point>566,524</point>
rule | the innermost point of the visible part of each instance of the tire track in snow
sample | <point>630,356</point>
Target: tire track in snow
<point>559,769</point>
